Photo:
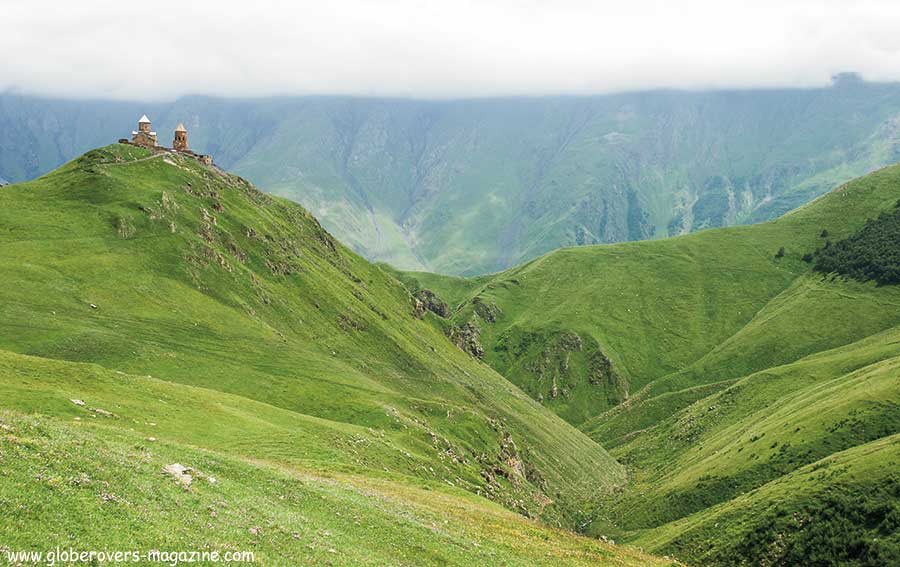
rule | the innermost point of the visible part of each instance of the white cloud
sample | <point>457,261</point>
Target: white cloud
<point>441,48</point>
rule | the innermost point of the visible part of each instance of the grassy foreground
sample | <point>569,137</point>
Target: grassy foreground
<point>204,323</point>
<point>77,478</point>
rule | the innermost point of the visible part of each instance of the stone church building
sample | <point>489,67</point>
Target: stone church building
<point>147,138</point>
<point>143,136</point>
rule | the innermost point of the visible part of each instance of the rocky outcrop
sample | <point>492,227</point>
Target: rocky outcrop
<point>490,312</point>
<point>553,364</point>
<point>511,467</point>
<point>468,338</point>
<point>562,366</point>
<point>185,475</point>
<point>433,303</point>
<point>602,372</point>
<point>419,309</point>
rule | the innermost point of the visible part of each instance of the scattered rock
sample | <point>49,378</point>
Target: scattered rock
<point>103,412</point>
<point>348,323</point>
<point>175,469</point>
<point>418,308</point>
<point>108,497</point>
<point>180,473</point>
<point>151,439</point>
<point>93,306</point>
<point>255,530</point>
<point>81,480</point>
<point>78,402</point>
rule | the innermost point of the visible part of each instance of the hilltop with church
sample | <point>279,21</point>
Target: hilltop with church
<point>145,137</point>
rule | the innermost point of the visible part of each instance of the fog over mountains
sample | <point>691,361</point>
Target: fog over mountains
<point>474,186</point>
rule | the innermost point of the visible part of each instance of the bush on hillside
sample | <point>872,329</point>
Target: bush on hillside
<point>847,524</point>
<point>873,253</point>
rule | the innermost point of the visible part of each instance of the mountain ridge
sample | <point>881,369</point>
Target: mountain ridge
<point>395,178</point>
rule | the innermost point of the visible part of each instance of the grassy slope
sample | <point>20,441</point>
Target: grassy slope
<point>310,487</point>
<point>703,308</point>
<point>742,367</point>
<point>761,427</point>
<point>833,511</point>
<point>301,353</point>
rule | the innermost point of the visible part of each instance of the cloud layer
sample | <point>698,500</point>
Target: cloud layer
<point>436,49</point>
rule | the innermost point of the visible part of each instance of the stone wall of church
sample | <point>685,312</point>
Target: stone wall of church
<point>144,139</point>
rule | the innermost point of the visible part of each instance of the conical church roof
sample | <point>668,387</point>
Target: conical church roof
<point>180,128</point>
<point>144,120</point>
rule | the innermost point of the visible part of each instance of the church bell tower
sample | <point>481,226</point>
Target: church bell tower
<point>180,142</point>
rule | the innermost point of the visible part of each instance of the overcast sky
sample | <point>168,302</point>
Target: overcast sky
<point>160,49</point>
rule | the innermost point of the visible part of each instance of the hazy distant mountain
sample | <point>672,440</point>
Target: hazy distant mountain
<point>478,185</point>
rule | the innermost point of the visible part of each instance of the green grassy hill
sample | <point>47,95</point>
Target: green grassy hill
<point>199,321</point>
<point>715,367</point>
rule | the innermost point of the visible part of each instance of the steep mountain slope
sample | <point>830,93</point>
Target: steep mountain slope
<point>673,313</point>
<point>760,428</point>
<point>178,302</point>
<point>476,186</point>
<point>714,366</point>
